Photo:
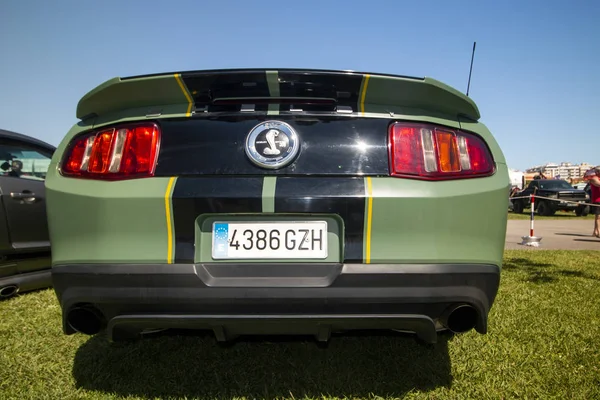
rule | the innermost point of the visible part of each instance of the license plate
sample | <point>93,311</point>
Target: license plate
<point>263,240</point>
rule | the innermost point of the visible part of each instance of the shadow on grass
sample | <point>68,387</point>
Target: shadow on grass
<point>577,274</point>
<point>537,272</point>
<point>543,272</point>
<point>194,365</point>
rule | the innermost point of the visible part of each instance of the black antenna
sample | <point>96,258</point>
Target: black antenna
<point>471,70</point>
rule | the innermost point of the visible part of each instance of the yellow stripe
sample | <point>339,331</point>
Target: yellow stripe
<point>369,215</point>
<point>364,93</point>
<point>169,226</point>
<point>187,95</point>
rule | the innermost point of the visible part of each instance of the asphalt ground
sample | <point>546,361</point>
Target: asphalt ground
<point>555,234</point>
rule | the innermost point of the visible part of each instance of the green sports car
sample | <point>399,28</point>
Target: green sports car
<point>288,201</point>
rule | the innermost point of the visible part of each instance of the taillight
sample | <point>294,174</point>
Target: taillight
<point>429,152</point>
<point>125,151</point>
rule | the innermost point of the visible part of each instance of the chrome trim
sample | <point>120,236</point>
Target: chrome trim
<point>465,160</point>
<point>344,109</point>
<point>87,153</point>
<point>117,153</point>
<point>430,162</point>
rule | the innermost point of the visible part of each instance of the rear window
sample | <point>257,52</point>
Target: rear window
<point>20,161</point>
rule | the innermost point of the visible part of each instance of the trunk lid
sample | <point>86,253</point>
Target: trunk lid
<point>326,146</point>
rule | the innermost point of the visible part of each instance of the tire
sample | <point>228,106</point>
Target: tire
<point>518,206</point>
<point>544,209</point>
<point>582,211</point>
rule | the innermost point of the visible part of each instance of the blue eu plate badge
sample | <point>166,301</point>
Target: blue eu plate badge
<point>220,239</point>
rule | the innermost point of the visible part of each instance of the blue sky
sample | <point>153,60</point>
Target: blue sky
<point>535,76</point>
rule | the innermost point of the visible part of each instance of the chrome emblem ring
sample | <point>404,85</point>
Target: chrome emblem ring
<point>272,144</point>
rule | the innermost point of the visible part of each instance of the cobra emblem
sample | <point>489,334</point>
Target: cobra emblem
<point>272,150</point>
<point>272,144</point>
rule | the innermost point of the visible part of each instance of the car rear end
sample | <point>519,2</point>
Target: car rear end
<point>276,201</point>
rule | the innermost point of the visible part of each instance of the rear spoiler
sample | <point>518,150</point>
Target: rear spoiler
<point>215,90</point>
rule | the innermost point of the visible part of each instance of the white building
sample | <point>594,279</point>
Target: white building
<point>583,167</point>
<point>564,170</point>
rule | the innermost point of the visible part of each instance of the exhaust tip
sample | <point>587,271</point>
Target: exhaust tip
<point>8,291</point>
<point>86,320</point>
<point>461,318</point>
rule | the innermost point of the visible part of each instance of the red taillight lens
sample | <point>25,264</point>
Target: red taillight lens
<point>125,151</point>
<point>101,152</point>
<point>72,163</point>
<point>434,153</point>
<point>140,150</point>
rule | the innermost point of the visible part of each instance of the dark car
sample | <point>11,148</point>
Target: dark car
<point>25,257</point>
<point>555,195</point>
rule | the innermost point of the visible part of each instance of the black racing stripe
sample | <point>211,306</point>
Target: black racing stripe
<point>345,88</point>
<point>195,196</point>
<point>204,88</point>
<point>311,90</point>
<point>342,196</point>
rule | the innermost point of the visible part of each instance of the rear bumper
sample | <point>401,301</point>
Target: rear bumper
<point>233,299</point>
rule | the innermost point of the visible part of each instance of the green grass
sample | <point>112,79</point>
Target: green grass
<point>543,342</point>
<point>560,215</point>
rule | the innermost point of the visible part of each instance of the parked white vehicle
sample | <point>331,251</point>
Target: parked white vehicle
<point>516,178</point>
